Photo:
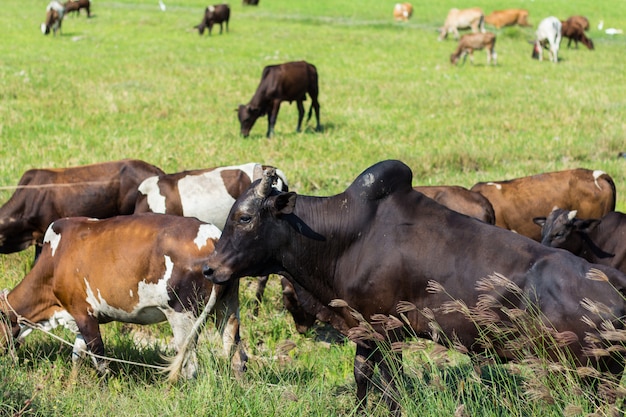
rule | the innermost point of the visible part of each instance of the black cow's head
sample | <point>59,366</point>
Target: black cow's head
<point>247,117</point>
<point>17,235</point>
<point>252,233</point>
<point>561,229</point>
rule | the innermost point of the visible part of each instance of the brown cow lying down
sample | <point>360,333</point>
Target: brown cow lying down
<point>509,17</point>
<point>139,269</point>
<point>517,202</point>
<point>43,195</point>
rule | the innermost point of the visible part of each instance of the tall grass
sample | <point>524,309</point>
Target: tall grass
<point>135,82</point>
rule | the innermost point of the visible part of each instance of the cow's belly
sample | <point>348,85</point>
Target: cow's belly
<point>149,315</point>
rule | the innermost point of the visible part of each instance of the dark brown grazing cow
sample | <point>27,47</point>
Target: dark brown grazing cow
<point>218,14</point>
<point>88,274</point>
<point>574,30</point>
<point>54,18</point>
<point>382,248</point>
<point>44,195</point>
<point>509,17</point>
<point>290,81</point>
<point>600,241</point>
<point>76,5</point>
<point>251,2</point>
<point>517,202</point>
<point>461,200</point>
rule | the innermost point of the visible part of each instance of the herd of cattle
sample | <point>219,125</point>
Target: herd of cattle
<point>124,241</point>
<point>548,34</point>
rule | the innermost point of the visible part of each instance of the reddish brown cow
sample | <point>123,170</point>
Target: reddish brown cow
<point>44,195</point>
<point>509,17</point>
<point>517,202</point>
<point>290,81</point>
<point>88,274</point>
<point>76,5</point>
<point>471,42</point>
<point>218,14</point>
<point>574,30</point>
<point>461,200</point>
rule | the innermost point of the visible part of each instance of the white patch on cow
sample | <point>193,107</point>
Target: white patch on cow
<point>211,9</point>
<point>597,174</point>
<point>204,196</point>
<point>150,188</point>
<point>52,237</point>
<point>498,186</point>
<point>43,28</point>
<point>59,318</point>
<point>151,304</point>
<point>206,232</point>
<point>368,180</point>
<point>130,292</point>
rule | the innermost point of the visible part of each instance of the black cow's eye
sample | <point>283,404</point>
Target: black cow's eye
<point>245,219</point>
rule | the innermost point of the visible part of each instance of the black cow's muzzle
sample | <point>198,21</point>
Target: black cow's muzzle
<point>210,273</point>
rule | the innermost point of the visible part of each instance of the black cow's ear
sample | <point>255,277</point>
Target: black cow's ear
<point>586,225</point>
<point>284,203</point>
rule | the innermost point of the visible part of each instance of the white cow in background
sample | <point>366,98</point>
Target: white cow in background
<point>548,35</point>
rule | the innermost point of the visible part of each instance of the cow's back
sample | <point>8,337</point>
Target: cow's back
<point>461,200</point>
<point>517,202</point>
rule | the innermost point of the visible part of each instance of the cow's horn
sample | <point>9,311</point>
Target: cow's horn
<point>265,186</point>
<point>571,215</point>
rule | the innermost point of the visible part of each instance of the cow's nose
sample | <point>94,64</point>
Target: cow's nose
<point>207,271</point>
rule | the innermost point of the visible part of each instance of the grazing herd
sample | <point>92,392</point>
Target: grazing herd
<point>379,245</point>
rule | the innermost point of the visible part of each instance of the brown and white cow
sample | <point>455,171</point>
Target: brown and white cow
<point>518,201</point>
<point>76,5</point>
<point>383,249</point>
<point>461,200</point>
<point>473,19</point>
<point>402,12</point>
<point>54,18</point>
<point>599,241</point>
<point>141,269</point>
<point>217,14</point>
<point>548,36</point>
<point>290,81</point>
<point>508,17</point>
<point>44,195</point>
<point>207,194</point>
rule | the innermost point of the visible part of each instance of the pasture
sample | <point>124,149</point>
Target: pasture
<point>137,82</point>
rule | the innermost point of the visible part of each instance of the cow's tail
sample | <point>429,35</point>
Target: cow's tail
<point>481,23</point>
<point>178,362</point>
<point>608,179</point>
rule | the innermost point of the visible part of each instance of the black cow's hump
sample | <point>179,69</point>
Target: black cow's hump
<point>381,180</point>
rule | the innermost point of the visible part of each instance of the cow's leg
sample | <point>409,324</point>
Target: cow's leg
<point>227,319</point>
<point>260,290</point>
<point>272,115</point>
<point>300,115</point>
<point>221,28</point>
<point>181,324</point>
<point>91,337</point>
<point>390,366</point>
<point>363,372</point>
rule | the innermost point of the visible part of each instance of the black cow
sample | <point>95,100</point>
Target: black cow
<point>381,244</point>
<point>220,13</point>
<point>251,2</point>
<point>600,241</point>
<point>285,82</point>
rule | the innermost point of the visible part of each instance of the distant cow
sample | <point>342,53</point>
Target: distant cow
<point>517,202</point>
<point>207,194</point>
<point>218,14</point>
<point>76,5</point>
<point>574,30</point>
<point>461,200</point>
<point>251,2</point>
<point>471,42</point>
<point>382,249</point>
<point>462,19</point>
<point>54,18</point>
<point>44,195</point>
<point>402,11</point>
<point>509,17</point>
<point>548,36</point>
<point>290,81</point>
<point>135,269</point>
<point>600,241</point>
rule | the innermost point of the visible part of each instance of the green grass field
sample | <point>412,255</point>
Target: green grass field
<point>136,82</point>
